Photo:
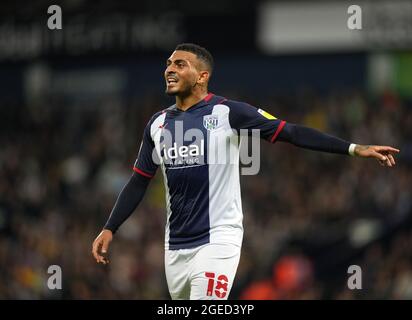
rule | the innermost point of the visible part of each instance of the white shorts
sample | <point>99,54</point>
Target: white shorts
<point>203,273</point>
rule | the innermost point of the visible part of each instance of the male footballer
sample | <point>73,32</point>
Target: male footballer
<point>204,230</point>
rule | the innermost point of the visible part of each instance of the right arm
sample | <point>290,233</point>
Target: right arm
<point>130,196</point>
<point>127,201</point>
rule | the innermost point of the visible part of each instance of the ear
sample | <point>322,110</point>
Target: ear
<point>203,77</point>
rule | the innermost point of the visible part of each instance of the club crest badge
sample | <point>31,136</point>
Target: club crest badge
<point>210,122</point>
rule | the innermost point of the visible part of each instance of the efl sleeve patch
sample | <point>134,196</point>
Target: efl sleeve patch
<point>266,114</point>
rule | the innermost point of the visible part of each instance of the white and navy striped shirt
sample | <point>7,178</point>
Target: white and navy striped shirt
<point>203,197</point>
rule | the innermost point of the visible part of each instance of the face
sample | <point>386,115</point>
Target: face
<point>183,73</point>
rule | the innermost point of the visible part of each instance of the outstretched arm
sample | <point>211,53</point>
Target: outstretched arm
<point>127,201</point>
<point>245,116</point>
<point>309,138</point>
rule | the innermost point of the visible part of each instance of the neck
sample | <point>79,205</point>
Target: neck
<point>185,102</point>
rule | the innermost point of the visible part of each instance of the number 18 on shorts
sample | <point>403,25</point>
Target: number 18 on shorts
<point>203,273</point>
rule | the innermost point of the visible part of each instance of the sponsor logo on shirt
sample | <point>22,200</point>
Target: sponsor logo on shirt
<point>183,152</point>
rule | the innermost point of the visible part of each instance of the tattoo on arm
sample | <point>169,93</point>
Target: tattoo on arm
<point>361,147</point>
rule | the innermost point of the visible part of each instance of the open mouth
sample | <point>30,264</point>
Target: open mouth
<point>171,80</point>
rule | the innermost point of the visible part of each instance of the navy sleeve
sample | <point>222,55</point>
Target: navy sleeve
<point>245,116</point>
<point>145,163</point>
<point>309,138</point>
<point>127,201</point>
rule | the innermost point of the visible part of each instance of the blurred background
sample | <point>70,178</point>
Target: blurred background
<point>74,102</point>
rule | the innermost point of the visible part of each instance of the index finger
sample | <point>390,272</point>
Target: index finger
<point>387,148</point>
<point>95,249</point>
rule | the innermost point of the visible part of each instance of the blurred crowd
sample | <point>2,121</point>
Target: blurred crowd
<point>307,215</point>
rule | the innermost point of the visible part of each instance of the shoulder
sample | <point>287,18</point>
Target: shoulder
<point>240,107</point>
<point>217,100</point>
<point>220,100</point>
<point>239,104</point>
<point>160,114</point>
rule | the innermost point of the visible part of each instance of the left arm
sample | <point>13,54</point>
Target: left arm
<point>245,116</point>
<point>309,138</point>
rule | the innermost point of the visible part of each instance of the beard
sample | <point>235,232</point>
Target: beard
<point>172,94</point>
<point>183,92</point>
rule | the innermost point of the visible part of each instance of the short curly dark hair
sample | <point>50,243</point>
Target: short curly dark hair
<point>201,53</point>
